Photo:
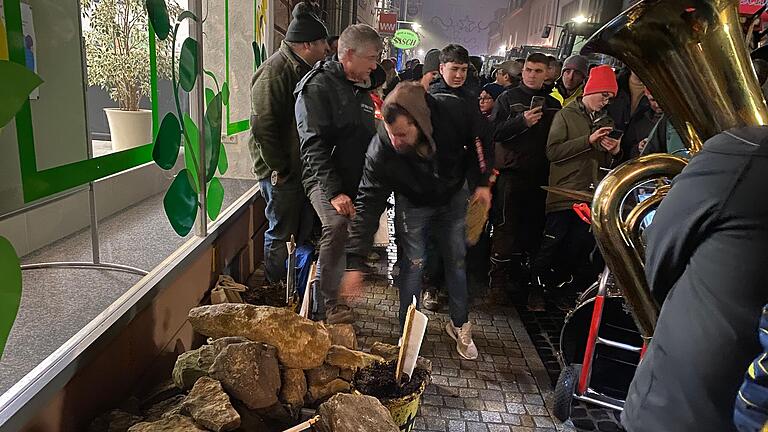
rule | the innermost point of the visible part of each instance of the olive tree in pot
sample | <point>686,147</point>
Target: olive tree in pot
<point>117,52</point>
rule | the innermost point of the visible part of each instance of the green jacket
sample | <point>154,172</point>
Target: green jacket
<point>574,162</point>
<point>274,140</point>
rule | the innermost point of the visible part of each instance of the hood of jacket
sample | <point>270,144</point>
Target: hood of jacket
<point>413,99</point>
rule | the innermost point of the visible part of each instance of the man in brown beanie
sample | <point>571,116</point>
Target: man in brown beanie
<point>424,153</point>
<point>274,141</point>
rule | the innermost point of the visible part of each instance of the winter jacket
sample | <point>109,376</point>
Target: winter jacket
<point>424,181</point>
<point>560,93</point>
<point>274,140</point>
<point>575,162</point>
<point>519,148</point>
<point>706,265</point>
<point>468,92</point>
<point>335,120</point>
<point>665,139</point>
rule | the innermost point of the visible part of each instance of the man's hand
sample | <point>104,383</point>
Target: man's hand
<point>641,145</point>
<point>343,205</point>
<point>483,195</point>
<point>533,116</point>
<point>613,146</point>
<point>352,284</point>
<point>599,135</point>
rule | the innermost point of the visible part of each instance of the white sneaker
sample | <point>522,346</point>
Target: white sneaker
<point>463,337</point>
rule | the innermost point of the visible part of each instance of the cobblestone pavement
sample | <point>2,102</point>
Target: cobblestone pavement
<point>503,390</point>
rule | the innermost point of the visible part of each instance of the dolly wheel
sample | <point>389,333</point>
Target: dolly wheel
<point>564,390</point>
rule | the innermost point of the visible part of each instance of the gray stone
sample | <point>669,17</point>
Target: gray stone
<point>294,388</point>
<point>354,413</point>
<point>114,421</point>
<point>322,375</point>
<point>300,343</point>
<point>342,334</point>
<point>345,358</point>
<point>164,408</point>
<point>220,343</point>
<point>248,372</point>
<point>192,365</point>
<point>210,407</point>
<point>174,423</point>
<point>318,393</point>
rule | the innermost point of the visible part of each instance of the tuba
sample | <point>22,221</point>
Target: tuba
<point>692,55</point>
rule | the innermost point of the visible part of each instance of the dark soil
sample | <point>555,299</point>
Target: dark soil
<point>265,296</point>
<point>378,381</point>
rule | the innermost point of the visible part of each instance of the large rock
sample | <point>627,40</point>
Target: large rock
<point>250,421</point>
<point>114,421</point>
<point>353,413</point>
<point>249,372</point>
<point>220,343</point>
<point>343,334</point>
<point>319,393</point>
<point>294,388</point>
<point>168,407</point>
<point>174,423</point>
<point>192,365</point>
<point>300,343</point>
<point>345,358</point>
<point>210,406</point>
<point>322,375</point>
<point>390,352</point>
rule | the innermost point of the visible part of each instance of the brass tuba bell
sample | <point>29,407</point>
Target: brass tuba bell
<point>692,56</point>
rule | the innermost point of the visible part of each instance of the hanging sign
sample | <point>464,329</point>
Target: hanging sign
<point>405,39</point>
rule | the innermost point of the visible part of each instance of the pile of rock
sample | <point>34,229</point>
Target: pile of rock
<point>261,366</point>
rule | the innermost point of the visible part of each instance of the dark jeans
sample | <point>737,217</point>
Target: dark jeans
<point>567,249</point>
<point>413,224</point>
<point>288,213</point>
<point>332,259</point>
<point>517,215</point>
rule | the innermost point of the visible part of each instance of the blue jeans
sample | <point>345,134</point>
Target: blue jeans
<point>413,224</point>
<point>287,214</point>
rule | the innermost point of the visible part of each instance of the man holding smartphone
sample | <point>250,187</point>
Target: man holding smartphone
<point>581,141</point>
<point>522,116</point>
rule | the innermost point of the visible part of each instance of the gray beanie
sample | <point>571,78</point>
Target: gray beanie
<point>578,63</point>
<point>431,61</point>
<point>305,25</point>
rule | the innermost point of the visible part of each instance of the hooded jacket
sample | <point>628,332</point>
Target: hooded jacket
<point>706,265</point>
<point>335,120</point>
<point>274,140</point>
<point>427,181</point>
<point>561,93</point>
<point>469,92</point>
<point>520,149</point>
<point>574,162</point>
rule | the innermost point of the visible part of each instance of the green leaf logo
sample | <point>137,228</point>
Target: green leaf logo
<point>188,64</point>
<point>10,290</point>
<point>181,204</point>
<point>21,81</point>
<point>158,16</point>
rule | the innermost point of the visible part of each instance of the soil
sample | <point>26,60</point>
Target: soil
<point>378,381</point>
<point>265,295</point>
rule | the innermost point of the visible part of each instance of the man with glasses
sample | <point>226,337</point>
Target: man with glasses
<point>580,143</point>
<point>335,119</point>
<point>522,117</point>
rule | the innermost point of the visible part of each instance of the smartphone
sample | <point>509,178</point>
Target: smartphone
<point>537,102</point>
<point>615,134</point>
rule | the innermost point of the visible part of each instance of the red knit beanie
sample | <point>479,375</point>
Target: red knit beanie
<point>601,80</point>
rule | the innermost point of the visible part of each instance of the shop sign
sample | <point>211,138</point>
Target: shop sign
<point>405,39</point>
<point>387,23</point>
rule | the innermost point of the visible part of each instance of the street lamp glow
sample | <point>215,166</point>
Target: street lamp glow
<point>421,52</point>
<point>416,26</point>
<point>579,19</point>
<point>502,50</point>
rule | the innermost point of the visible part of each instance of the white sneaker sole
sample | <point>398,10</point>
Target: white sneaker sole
<point>449,330</point>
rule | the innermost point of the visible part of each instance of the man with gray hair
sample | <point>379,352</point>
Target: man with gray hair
<point>335,119</point>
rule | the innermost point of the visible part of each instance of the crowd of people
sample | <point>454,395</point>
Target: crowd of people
<point>335,133</point>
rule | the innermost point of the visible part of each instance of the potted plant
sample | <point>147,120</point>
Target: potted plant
<point>117,53</point>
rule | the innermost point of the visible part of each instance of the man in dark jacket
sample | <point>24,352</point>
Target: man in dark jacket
<point>424,153</point>
<point>706,265</point>
<point>454,70</point>
<point>274,140</point>
<point>578,146</point>
<point>631,113</point>
<point>521,137</point>
<point>335,119</point>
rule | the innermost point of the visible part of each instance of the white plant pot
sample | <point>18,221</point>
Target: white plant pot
<point>129,128</point>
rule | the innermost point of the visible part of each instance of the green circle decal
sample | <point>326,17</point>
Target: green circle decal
<point>405,39</point>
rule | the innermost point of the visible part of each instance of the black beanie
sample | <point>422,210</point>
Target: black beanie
<point>432,61</point>
<point>305,25</point>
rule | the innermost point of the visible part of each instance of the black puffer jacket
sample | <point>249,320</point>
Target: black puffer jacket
<point>706,261</point>
<point>520,149</point>
<point>469,92</point>
<point>423,181</point>
<point>335,119</point>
